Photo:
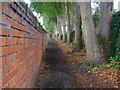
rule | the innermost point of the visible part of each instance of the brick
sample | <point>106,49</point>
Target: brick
<point>5,8</point>
<point>0,63</point>
<point>20,26</point>
<point>12,22</point>
<point>9,76</point>
<point>3,41</point>
<point>19,34</point>
<point>12,14</point>
<point>14,48</point>
<point>5,51</point>
<point>18,55</point>
<point>16,33</point>
<point>4,62</point>
<point>6,20</point>
<point>5,86</point>
<point>5,31</point>
<point>9,41</point>
<point>15,40</point>
<point>21,40</point>
<point>0,29</point>
<point>25,72</point>
<point>13,82</point>
<point>8,59</point>
<point>10,49</point>
<point>18,18</point>
<point>0,51</point>
<point>13,65</point>
<point>4,71</point>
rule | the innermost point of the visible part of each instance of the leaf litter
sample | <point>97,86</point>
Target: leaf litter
<point>98,77</point>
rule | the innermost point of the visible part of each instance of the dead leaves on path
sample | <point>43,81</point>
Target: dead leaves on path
<point>108,75</point>
<point>99,77</point>
<point>41,74</point>
<point>72,57</point>
<point>42,71</point>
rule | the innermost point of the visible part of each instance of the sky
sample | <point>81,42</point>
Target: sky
<point>93,5</point>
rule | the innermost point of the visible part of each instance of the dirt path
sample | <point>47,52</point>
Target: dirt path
<point>66,69</point>
<point>58,74</point>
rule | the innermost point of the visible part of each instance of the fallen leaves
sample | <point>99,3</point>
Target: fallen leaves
<point>99,77</point>
<point>108,75</point>
<point>41,72</point>
<point>72,57</point>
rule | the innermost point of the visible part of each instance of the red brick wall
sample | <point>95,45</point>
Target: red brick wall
<point>22,42</point>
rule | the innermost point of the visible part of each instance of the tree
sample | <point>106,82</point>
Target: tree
<point>68,22</point>
<point>64,28</point>
<point>105,22</point>
<point>49,11</point>
<point>78,30</point>
<point>94,55</point>
<point>59,27</point>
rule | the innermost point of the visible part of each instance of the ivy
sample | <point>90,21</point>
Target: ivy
<point>115,36</point>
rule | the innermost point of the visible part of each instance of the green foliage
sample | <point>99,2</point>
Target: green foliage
<point>48,23</point>
<point>96,16</point>
<point>114,51</point>
<point>115,36</point>
<point>49,11</point>
<point>95,69</point>
<point>113,63</point>
<point>71,44</point>
<point>114,11</point>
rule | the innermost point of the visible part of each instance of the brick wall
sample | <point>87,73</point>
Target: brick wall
<point>22,43</point>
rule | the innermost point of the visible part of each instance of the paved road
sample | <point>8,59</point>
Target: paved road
<point>58,74</point>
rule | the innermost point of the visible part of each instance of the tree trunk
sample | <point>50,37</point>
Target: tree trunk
<point>78,32</point>
<point>105,22</point>
<point>56,31</point>
<point>68,29</point>
<point>59,27</point>
<point>94,56</point>
<point>64,29</point>
<point>64,26</point>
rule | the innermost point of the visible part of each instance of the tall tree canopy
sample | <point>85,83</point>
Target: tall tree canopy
<point>49,11</point>
<point>91,29</point>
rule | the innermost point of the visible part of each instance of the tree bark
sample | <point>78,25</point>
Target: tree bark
<point>64,26</point>
<point>105,22</point>
<point>94,56</point>
<point>68,29</point>
<point>64,30</point>
<point>56,31</point>
<point>59,27</point>
<point>78,32</point>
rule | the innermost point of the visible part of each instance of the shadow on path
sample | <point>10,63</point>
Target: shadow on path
<point>58,74</point>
